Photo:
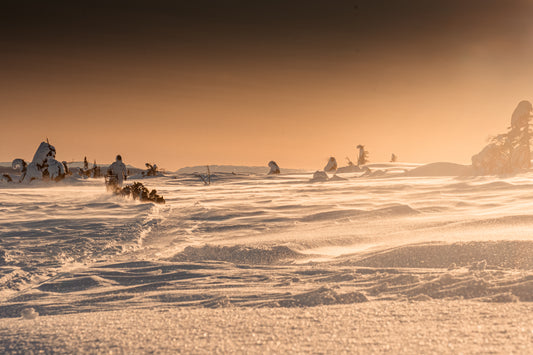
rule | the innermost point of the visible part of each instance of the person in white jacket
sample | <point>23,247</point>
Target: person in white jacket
<point>118,171</point>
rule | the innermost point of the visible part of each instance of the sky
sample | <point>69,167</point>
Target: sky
<point>182,83</point>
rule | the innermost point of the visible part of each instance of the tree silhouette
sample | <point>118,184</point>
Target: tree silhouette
<point>508,152</point>
<point>363,155</point>
<point>331,165</point>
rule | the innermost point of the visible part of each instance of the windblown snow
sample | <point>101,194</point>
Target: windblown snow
<point>258,241</point>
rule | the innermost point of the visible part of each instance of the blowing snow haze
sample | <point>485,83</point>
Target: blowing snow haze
<point>241,82</point>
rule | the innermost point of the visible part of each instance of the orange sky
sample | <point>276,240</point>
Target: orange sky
<point>295,89</point>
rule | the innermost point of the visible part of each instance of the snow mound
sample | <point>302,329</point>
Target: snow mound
<point>238,254</point>
<point>474,255</point>
<point>337,178</point>
<point>484,287</point>
<point>319,176</point>
<point>3,257</point>
<point>442,169</point>
<point>29,313</point>
<point>322,296</point>
<point>74,284</point>
<point>349,169</point>
<point>505,297</point>
<point>391,211</point>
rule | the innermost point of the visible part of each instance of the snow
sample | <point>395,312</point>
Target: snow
<point>521,114</point>
<point>319,176</point>
<point>44,151</point>
<point>237,169</point>
<point>32,173</point>
<point>274,168</point>
<point>436,327</point>
<point>428,261</point>
<point>442,169</point>
<point>29,313</point>
<point>55,168</point>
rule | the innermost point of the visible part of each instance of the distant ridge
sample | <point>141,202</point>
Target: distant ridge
<point>238,169</point>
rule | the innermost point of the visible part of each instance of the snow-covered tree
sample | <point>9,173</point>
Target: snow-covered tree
<point>274,168</point>
<point>508,152</point>
<point>331,166</point>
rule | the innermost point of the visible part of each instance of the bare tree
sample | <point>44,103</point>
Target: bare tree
<point>207,178</point>
<point>350,163</point>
